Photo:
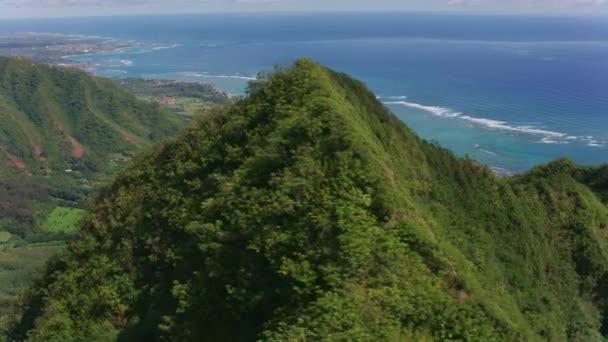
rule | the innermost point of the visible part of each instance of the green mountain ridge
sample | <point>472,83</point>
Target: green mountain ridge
<point>62,132</point>
<point>307,211</point>
<point>55,119</point>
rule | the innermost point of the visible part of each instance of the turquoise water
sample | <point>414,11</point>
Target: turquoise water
<point>510,91</point>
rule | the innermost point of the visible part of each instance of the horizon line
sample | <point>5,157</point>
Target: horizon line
<point>317,12</point>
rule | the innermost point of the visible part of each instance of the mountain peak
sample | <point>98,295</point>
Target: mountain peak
<point>308,211</point>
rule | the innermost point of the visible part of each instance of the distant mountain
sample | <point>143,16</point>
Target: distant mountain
<point>307,211</point>
<point>56,119</point>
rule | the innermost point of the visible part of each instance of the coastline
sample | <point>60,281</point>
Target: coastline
<point>503,132</point>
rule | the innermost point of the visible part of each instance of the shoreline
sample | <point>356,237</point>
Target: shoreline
<point>453,118</point>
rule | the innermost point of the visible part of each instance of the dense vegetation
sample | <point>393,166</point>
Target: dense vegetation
<point>307,211</point>
<point>596,178</point>
<point>62,130</point>
<point>61,133</point>
<point>55,119</point>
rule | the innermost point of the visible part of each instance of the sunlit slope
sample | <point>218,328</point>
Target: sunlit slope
<point>55,119</point>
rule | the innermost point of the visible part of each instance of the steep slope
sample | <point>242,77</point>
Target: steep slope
<point>307,211</point>
<point>596,178</point>
<point>55,119</point>
<point>62,132</point>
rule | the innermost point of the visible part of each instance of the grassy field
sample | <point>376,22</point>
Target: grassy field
<point>5,236</point>
<point>184,99</point>
<point>184,107</point>
<point>189,106</point>
<point>18,266</point>
<point>63,219</point>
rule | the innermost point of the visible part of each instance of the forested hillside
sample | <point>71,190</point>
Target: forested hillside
<point>61,129</point>
<point>307,211</point>
<point>62,132</point>
<point>55,119</point>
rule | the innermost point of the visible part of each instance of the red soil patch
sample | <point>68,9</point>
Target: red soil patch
<point>19,164</point>
<point>77,148</point>
<point>12,160</point>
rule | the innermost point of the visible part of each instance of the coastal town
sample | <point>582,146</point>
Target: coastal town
<point>53,48</point>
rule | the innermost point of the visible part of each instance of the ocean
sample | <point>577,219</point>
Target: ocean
<point>509,91</point>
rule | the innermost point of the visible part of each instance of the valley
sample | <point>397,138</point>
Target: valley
<point>57,150</point>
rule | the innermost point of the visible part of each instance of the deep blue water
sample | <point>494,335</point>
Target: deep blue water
<point>510,91</point>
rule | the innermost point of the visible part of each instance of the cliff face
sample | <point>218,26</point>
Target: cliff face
<point>307,211</point>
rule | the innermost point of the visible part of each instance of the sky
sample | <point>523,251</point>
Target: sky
<point>62,8</point>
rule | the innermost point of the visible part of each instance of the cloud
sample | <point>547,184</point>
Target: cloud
<point>463,2</point>
<point>88,3</point>
<point>567,2</point>
<point>99,7</point>
<point>259,1</point>
<point>548,4</point>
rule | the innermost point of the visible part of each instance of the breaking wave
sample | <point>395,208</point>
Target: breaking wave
<point>547,136</point>
<point>207,75</point>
